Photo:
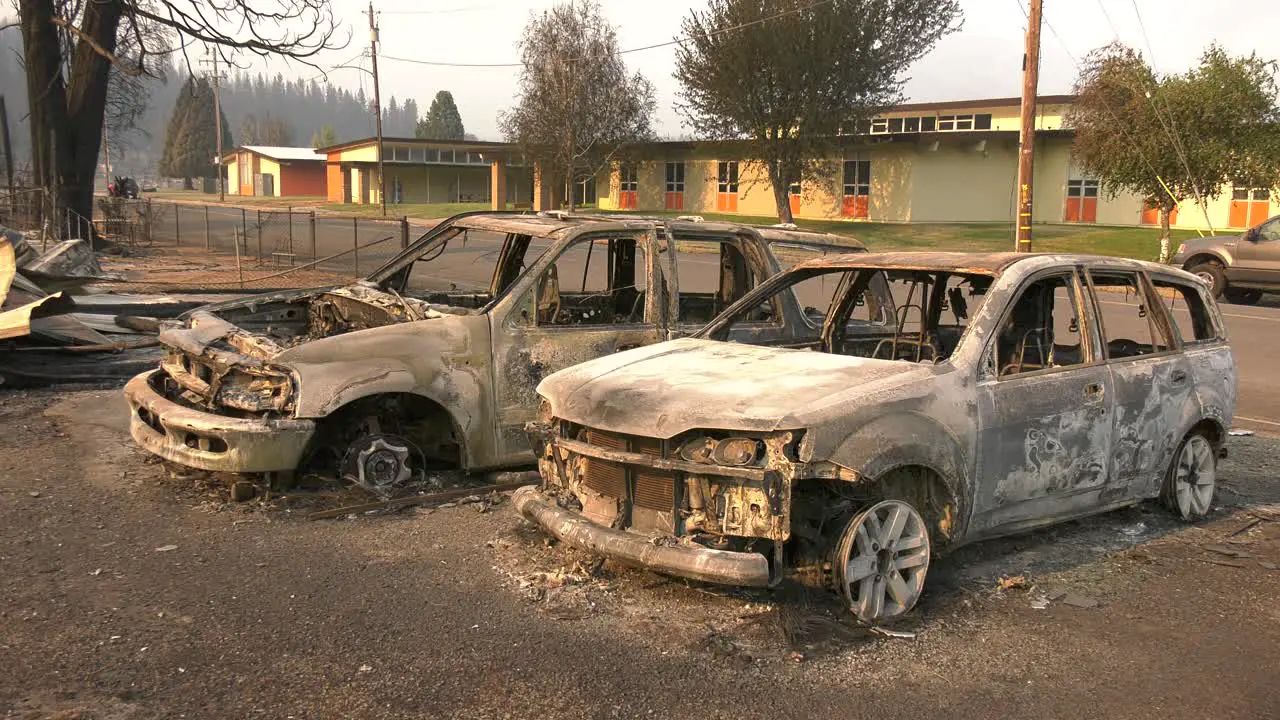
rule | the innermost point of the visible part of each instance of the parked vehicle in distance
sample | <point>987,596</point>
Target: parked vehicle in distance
<point>407,370</point>
<point>1238,268</point>
<point>946,398</point>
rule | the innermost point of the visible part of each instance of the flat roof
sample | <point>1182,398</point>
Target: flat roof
<point>279,152</point>
<point>472,144</point>
<point>980,103</point>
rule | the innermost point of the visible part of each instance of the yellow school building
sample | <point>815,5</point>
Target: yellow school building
<point>920,162</point>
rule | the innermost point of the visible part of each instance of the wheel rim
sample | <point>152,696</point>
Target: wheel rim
<point>881,561</point>
<point>1194,478</point>
<point>1207,278</point>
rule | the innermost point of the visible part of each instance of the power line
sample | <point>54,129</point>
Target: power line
<point>444,11</point>
<point>668,43</point>
<point>1174,140</point>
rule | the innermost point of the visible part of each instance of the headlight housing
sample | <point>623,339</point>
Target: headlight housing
<point>256,390</point>
<point>732,451</point>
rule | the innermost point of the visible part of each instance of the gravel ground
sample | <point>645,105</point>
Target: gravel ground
<point>127,593</point>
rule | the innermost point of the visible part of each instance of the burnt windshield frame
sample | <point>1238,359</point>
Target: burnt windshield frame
<point>765,291</point>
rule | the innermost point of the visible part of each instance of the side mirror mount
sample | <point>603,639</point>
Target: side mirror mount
<point>1251,234</point>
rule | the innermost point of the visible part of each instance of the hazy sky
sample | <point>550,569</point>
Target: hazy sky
<point>982,60</point>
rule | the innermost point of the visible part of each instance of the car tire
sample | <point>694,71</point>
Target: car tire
<point>1213,275</point>
<point>880,562</point>
<point>1191,481</point>
<point>1243,296</point>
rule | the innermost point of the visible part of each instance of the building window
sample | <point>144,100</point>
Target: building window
<point>398,153</point>
<point>912,124</point>
<point>446,156</point>
<point>727,186</point>
<point>1249,207</point>
<point>982,121</point>
<point>418,154</point>
<point>432,156</point>
<point>879,125</point>
<point>1082,201</point>
<point>895,125</point>
<point>674,199</point>
<point>928,123</point>
<point>856,202</point>
<point>628,186</point>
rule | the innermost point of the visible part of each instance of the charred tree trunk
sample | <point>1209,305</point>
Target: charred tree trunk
<point>67,113</point>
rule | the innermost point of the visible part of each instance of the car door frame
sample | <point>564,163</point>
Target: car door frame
<point>520,349</point>
<point>1012,488</point>
<point>1257,258</point>
<point>1142,446</point>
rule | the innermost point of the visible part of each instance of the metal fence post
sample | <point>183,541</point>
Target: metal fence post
<point>207,245</point>
<point>259,236</point>
<point>290,216</point>
<point>404,232</point>
<point>244,229</point>
<point>355,242</point>
<point>177,227</point>
<point>312,229</point>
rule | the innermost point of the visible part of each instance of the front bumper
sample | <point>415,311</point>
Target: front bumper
<point>208,441</point>
<point>748,569</point>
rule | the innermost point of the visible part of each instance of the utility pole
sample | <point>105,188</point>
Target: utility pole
<point>1027,136</point>
<point>377,106</point>
<point>106,147</point>
<point>217,123</point>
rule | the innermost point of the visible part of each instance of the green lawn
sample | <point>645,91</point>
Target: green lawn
<point>1133,242</point>
<point>413,210</point>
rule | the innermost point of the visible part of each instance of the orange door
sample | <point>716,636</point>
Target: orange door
<point>727,202</point>
<point>674,201</point>
<point>1151,215</point>
<point>1239,216</point>
<point>1259,211</point>
<point>627,200</point>
<point>1089,211</point>
<point>856,206</point>
<point>1072,215</point>
<point>794,202</point>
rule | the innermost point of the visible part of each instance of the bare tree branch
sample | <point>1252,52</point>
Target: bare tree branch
<point>83,37</point>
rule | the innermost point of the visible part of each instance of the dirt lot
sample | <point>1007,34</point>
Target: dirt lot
<point>130,594</point>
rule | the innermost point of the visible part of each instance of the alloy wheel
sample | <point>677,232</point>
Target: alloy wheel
<point>881,561</point>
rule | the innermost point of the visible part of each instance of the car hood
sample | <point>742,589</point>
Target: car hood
<point>666,389</point>
<point>1191,246</point>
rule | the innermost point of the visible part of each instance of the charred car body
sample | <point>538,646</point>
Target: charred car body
<point>406,370</point>
<point>946,398</point>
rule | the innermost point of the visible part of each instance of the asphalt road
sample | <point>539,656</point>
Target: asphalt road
<point>1255,339</point>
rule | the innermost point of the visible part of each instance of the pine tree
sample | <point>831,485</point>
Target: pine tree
<point>191,139</point>
<point>442,121</point>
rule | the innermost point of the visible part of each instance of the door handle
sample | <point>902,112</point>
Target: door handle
<point>1178,376</point>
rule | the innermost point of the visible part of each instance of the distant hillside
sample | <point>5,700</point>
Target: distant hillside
<point>304,102</point>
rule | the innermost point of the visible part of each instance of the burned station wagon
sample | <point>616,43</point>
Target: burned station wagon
<point>432,361</point>
<point>945,398</point>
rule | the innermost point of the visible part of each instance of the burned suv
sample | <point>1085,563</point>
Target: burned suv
<point>943,398</point>
<point>433,359</point>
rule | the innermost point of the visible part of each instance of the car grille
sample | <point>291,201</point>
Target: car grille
<point>649,488</point>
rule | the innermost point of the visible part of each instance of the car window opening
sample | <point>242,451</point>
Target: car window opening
<point>911,315</point>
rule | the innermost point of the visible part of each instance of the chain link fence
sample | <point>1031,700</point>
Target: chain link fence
<point>254,246</point>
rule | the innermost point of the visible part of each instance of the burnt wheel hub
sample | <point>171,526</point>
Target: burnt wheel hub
<point>379,463</point>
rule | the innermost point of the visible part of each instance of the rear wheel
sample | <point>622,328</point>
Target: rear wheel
<point>881,560</point>
<point>1192,478</point>
<point>1213,276</point>
<point>1243,296</point>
